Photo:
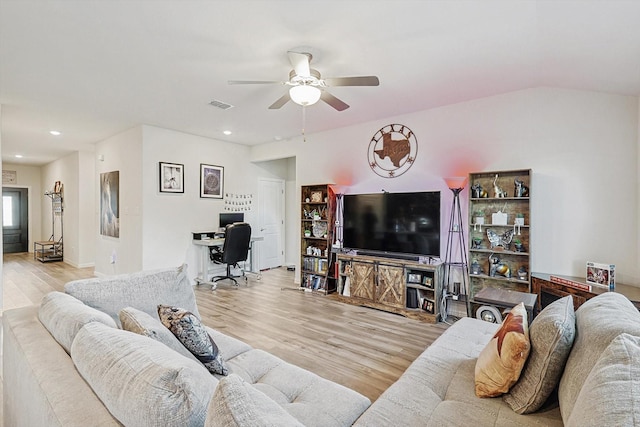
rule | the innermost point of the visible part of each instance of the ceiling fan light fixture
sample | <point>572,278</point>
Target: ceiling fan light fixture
<point>304,94</point>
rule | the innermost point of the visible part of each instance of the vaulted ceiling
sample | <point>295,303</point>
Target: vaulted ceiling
<point>93,68</point>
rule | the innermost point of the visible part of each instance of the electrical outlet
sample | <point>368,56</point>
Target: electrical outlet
<point>113,257</point>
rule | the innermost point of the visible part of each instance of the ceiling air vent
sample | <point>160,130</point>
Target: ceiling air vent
<point>221,105</point>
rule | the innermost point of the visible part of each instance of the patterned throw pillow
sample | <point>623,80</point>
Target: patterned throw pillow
<point>193,335</point>
<point>501,361</point>
<point>141,323</point>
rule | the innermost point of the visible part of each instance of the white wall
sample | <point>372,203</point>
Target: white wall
<point>76,171</point>
<point>581,146</point>
<point>123,153</point>
<point>1,241</point>
<point>87,213</point>
<point>169,219</point>
<point>29,177</point>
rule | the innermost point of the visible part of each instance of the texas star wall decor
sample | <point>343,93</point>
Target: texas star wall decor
<point>392,150</point>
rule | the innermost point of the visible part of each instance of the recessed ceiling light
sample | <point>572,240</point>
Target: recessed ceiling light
<point>55,132</point>
<point>227,132</point>
<point>18,156</point>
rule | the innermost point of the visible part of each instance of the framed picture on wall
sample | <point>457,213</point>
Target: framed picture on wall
<point>110,204</point>
<point>211,181</point>
<point>171,178</point>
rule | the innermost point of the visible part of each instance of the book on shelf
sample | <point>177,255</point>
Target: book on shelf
<point>571,283</point>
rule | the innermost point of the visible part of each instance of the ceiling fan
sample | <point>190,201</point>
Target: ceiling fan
<point>307,86</point>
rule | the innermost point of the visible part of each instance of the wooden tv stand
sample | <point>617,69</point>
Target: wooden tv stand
<point>549,291</point>
<point>399,286</point>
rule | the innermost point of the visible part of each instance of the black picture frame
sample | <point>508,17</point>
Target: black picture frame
<point>211,181</point>
<point>171,177</point>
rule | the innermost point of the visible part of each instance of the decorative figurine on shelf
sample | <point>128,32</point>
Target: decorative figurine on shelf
<point>522,273</point>
<point>498,267</point>
<point>476,243</point>
<point>475,267</point>
<point>519,222</point>
<point>478,220</point>
<point>498,192</point>
<point>346,291</point>
<point>520,190</point>
<point>498,240</point>
<point>518,245</point>
<point>477,192</point>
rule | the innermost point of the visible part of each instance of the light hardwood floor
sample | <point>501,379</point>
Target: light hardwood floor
<point>360,348</point>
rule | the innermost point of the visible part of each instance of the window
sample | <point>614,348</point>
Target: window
<point>7,211</point>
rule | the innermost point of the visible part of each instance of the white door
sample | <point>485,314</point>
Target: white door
<point>271,222</point>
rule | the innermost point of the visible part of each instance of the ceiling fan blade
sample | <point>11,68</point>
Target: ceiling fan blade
<point>300,63</point>
<point>280,102</point>
<point>353,81</point>
<point>253,82</point>
<point>333,101</point>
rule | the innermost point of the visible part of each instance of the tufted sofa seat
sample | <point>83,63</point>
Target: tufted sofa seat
<point>68,363</point>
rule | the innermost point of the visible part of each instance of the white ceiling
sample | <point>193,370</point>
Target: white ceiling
<point>93,68</point>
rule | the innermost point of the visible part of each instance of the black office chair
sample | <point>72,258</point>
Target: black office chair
<point>235,249</point>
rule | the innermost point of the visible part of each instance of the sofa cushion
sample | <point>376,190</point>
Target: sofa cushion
<point>551,334</point>
<point>143,290</point>
<point>598,322</point>
<point>193,335</point>
<point>139,380</point>
<point>437,389</point>
<point>310,399</point>
<point>609,396</point>
<point>237,403</point>
<point>64,315</point>
<point>139,322</point>
<point>500,363</point>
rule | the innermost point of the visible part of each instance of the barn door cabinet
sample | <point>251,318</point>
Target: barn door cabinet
<point>398,286</point>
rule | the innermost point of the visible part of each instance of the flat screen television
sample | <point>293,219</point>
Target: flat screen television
<point>393,223</point>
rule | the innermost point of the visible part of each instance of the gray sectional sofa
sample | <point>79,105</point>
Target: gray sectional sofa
<point>68,362</point>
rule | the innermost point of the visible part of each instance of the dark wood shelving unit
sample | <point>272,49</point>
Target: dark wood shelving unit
<point>488,204</point>
<point>317,225</point>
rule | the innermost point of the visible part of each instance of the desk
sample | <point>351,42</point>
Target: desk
<point>205,244</point>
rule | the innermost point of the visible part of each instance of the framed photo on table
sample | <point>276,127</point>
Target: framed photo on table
<point>171,178</point>
<point>211,181</point>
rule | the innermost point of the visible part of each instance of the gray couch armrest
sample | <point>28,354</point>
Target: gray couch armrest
<point>39,390</point>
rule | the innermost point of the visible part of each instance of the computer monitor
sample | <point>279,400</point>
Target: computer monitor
<point>227,218</point>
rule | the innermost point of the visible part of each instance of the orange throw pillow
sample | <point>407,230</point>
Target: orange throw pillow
<point>500,363</point>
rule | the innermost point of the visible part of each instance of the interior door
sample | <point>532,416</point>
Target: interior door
<point>271,222</point>
<point>15,220</point>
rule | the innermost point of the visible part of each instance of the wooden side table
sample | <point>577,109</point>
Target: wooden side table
<point>505,298</point>
<point>549,291</point>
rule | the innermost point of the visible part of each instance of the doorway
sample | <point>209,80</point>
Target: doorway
<point>271,222</point>
<point>15,220</point>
